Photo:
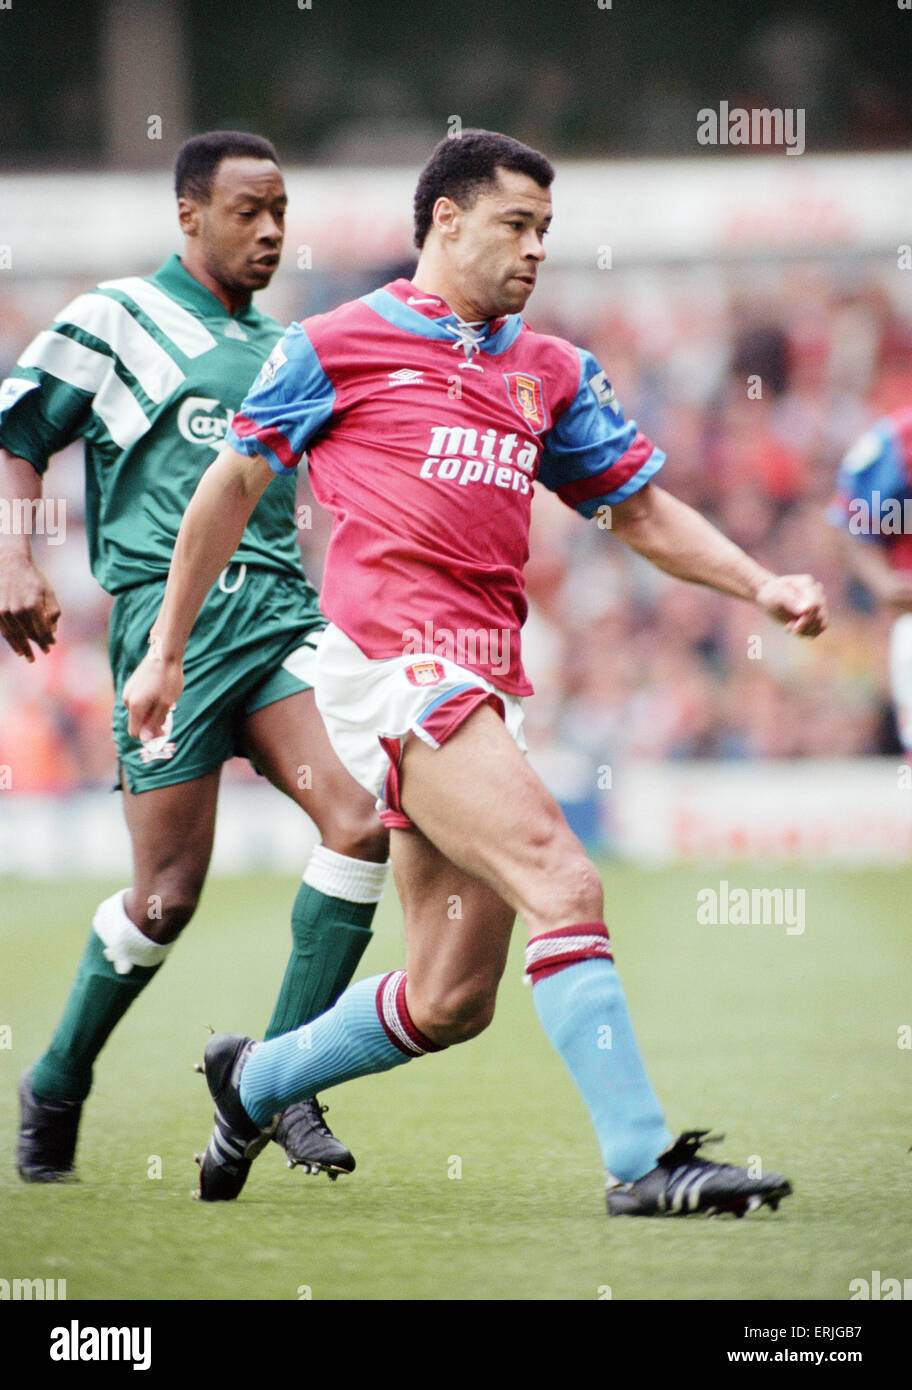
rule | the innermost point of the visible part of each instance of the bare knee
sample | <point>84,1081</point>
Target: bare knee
<point>565,887</point>
<point>454,1015</point>
<point>164,911</point>
<point>356,833</point>
<point>582,890</point>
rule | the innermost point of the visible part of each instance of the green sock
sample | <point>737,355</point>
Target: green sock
<point>98,1000</point>
<point>329,937</point>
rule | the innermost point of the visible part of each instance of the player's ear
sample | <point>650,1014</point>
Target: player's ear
<point>188,215</point>
<point>446,215</point>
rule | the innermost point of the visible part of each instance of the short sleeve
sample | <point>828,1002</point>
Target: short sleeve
<point>40,411</point>
<point>592,457</point>
<point>288,404</point>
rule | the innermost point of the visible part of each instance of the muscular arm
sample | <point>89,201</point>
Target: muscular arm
<point>28,607</point>
<point>209,535</point>
<point>681,542</point>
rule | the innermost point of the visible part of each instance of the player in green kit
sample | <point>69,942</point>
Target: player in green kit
<point>148,371</point>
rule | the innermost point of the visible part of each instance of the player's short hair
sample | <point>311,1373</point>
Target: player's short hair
<point>462,167</point>
<point>199,158</point>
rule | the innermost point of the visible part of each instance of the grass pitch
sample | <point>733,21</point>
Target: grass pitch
<point>478,1175</point>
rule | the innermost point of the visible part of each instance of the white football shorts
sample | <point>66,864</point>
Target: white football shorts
<point>370,706</point>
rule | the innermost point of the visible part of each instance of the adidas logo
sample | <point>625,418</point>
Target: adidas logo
<point>406,376</point>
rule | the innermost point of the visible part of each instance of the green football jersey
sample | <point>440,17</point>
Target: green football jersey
<point>148,371</point>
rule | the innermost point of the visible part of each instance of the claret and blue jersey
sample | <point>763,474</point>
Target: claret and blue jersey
<point>424,436</point>
<point>874,488</point>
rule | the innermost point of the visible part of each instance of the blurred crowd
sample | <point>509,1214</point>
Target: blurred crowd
<point>754,380</point>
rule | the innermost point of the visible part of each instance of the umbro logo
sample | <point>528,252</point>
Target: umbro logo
<point>406,376</point>
<point>412,300</point>
<point>234,330</point>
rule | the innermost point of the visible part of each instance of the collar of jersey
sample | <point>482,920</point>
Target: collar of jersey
<point>431,317</point>
<point>176,280</point>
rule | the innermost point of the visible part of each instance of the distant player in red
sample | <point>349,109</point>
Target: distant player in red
<point>428,409</point>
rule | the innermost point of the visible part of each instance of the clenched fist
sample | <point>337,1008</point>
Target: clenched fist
<point>797,601</point>
<point>151,692</point>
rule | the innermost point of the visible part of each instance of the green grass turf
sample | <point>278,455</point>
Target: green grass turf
<point>787,1043</point>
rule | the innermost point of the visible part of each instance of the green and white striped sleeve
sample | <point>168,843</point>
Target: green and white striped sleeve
<point>105,365</point>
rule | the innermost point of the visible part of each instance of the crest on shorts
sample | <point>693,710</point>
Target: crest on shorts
<point>161,748</point>
<point>527,396</point>
<point>425,672</point>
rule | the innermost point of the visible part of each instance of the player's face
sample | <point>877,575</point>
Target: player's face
<point>498,246</point>
<point>242,226</point>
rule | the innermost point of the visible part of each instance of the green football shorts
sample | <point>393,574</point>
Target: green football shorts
<point>253,643</point>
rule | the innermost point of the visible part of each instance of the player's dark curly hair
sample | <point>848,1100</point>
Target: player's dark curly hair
<point>198,159</point>
<point>464,166</point>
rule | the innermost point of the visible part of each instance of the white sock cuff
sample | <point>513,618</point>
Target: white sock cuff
<point>356,880</point>
<point>125,945</point>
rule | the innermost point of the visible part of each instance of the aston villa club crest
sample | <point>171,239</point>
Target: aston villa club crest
<point>424,672</point>
<point>528,398</point>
